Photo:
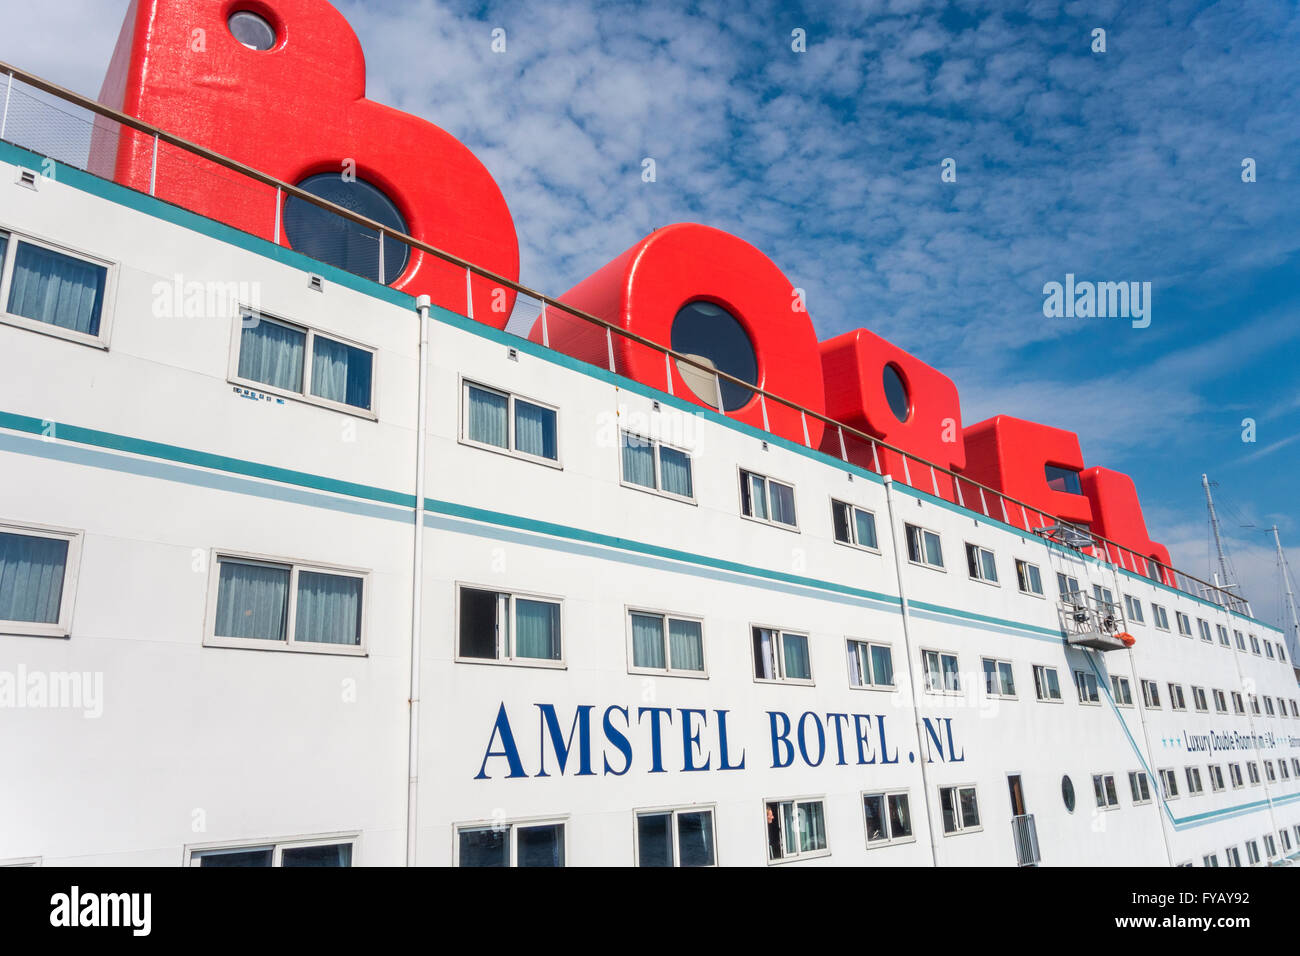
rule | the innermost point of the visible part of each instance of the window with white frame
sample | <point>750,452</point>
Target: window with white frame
<point>1134,608</point>
<point>1086,684</point>
<point>796,829</point>
<point>1268,650</point>
<point>1169,783</point>
<point>1233,856</point>
<point>1068,587</point>
<point>870,664</point>
<point>1240,639</point>
<point>941,674</point>
<point>508,628</point>
<point>1103,595</point>
<point>959,807</point>
<point>1210,859</point>
<point>655,466</point>
<point>38,578</point>
<point>1103,787</point>
<point>781,655</point>
<point>504,422</point>
<point>1254,645</point>
<point>1159,617</point>
<point>1121,690</point>
<point>1281,652</point>
<point>1254,704</point>
<point>1295,765</point>
<point>854,526</point>
<point>1297,832</point>
<point>681,836</point>
<point>1139,786</point>
<point>326,851</point>
<point>1223,635</point>
<point>998,679</point>
<point>1269,773</point>
<point>1194,785</point>
<point>1270,845</point>
<point>1029,578</point>
<point>1234,775</point>
<point>263,602</point>
<point>1199,700</point>
<point>888,818</point>
<point>48,289</point>
<point>1220,702</point>
<point>1268,705</point>
<point>1252,852</point>
<point>511,844</point>
<point>1285,839</point>
<point>1150,695</point>
<point>1282,770</point>
<point>298,361</point>
<point>1184,624</point>
<point>1238,706</point>
<point>923,546</point>
<point>666,643</point>
<point>1204,626</point>
<point>980,564</point>
<point>1176,699</point>
<point>1216,778</point>
<point>1047,685</point>
<point>1252,773</point>
<point>766,499</point>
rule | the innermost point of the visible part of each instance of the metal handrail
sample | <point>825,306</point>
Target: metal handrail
<point>1229,600</point>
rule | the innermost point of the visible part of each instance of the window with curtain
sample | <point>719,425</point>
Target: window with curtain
<point>796,828</point>
<point>888,818</point>
<point>853,526</point>
<point>638,460</point>
<point>767,499</point>
<point>54,288</point>
<point>781,655</point>
<point>667,643</point>
<point>495,625</point>
<point>651,464</point>
<point>298,359</point>
<point>508,422</point>
<point>941,674</point>
<point>923,546</point>
<point>296,605</point>
<point>32,572</point>
<point>959,809</point>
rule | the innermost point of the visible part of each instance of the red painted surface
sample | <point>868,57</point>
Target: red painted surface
<point>853,366</point>
<point>644,288</point>
<point>1010,455</point>
<point>1117,515</point>
<point>294,111</point>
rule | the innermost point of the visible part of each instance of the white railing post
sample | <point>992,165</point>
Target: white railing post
<point>1003,502</point>
<point>844,452</point>
<point>934,482</point>
<point>4,120</point>
<point>668,372</point>
<point>1025,515</point>
<point>803,417</point>
<point>762,403</point>
<point>279,199</point>
<point>546,335</point>
<point>381,258</point>
<point>609,346</point>
<point>984,503</point>
<point>875,457</point>
<point>469,293</point>
<point>956,483</point>
<point>907,472</point>
<point>153,168</point>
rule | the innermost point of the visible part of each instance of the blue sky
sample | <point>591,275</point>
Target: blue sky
<point>1115,166</point>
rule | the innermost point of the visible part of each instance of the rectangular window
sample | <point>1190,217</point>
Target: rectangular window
<point>1282,769</point>
<point>1210,859</point>
<point>1295,765</point>
<point>1150,695</point>
<point>666,643</point>
<point>980,564</point>
<point>1238,706</point>
<point>1046,684</point>
<point>1216,778</point>
<point>1176,699</point>
<point>1184,624</point>
<point>766,499</point>
<point>1159,617</point>
<point>1268,705</point>
<point>49,290</point>
<point>1169,783</point>
<point>1121,690</point>
<point>1269,772</point>
<point>1194,787</point>
<point>1268,650</point>
<point>998,680</point>
<point>1252,773</point>
<point>796,829</point>
<point>264,603</point>
<point>507,423</point>
<point>1103,787</point>
<point>1285,838</point>
<point>923,547</point>
<point>1233,856</point>
<point>511,844</point>
<point>960,809</point>
<point>38,575</point>
<point>781,655</point>
<point>1254,645</point>
<point>1241,640</point>
<point>1234,774</point>
<point>870,665</point>
<point>854,526</point>
<point>888,818</point>
<point>510,628</point>
<point>1029,578</point>
<point>1252,852</point>
<point>1103,595</point>
<point>1134,608</point>
<point>1069,588</point>
<point>1254,704</point>
<point>300,362</point>
<point>1199,700</point>
<point>1223,635</point>
<point>1270,846</point>
<point>326,852</point>
<point>1220,702</point>
<point>1281,653</point>
<point>1204,627</point>
<point>679,837</point>
<point>941,674</point>
<point>1139,786</point>
<point>655,466</point>
<point>1086,685</point>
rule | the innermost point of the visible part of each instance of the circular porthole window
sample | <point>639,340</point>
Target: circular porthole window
<point>252,30</point>
<point>322,235</point>
<point>713,336</point>
<point>1067,792</point>
<point>896,393</point>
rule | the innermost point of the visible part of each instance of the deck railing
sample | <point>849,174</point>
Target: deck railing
<point>77,131</point>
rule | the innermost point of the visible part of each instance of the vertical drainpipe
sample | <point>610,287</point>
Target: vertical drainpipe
<point>417,590</point>
<point>911,667</point>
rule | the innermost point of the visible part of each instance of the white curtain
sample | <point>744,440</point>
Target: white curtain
<point>765,653</point>
<point>534,430</point>
<point>487,417</point>
<point>812,827</point>
<point>329,609</point>
<point>31,578</point>
<point>757,489</point>
<point>686,643</point>
<point>272,354</point>
<point>638,461</point>
<point>341,373</point>
<point>252,601</point>
<point>57,289</point>
<point>647,641</point>
<point>675,472</point>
